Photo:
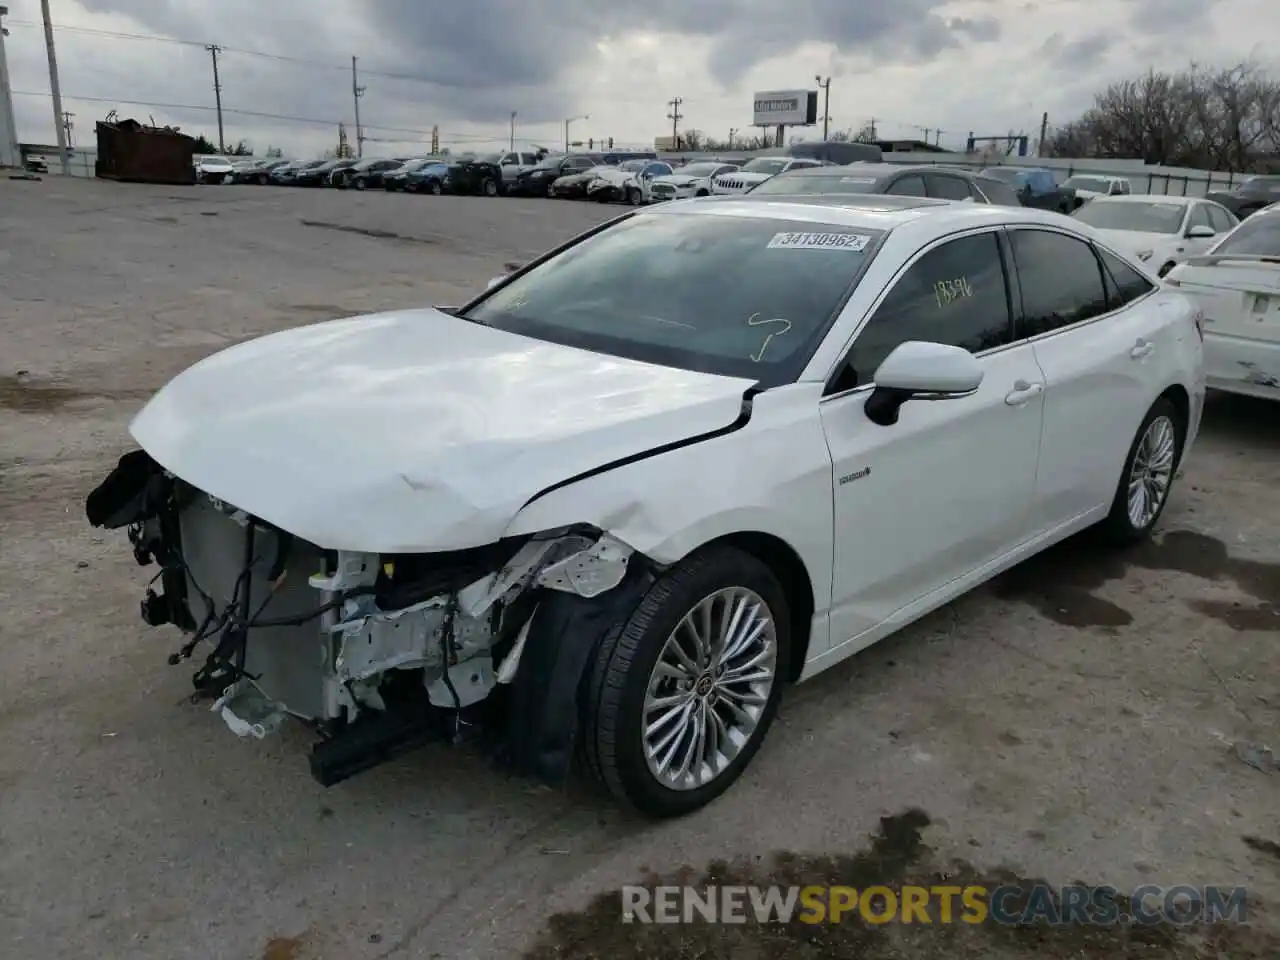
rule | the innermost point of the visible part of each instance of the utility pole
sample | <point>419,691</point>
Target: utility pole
<point>732,131</point>
<point>55,88</point>
<point>675,116</point>
<point>357,92</point>
<point>10,152</point>
<point>937,137</point>
<point>214,50</point>
<point>825,87</point>
<point>512,147</point>
<point>1044,132</point>
<point>68,126</point>
<point>872,127</point>
<point>569,120</point>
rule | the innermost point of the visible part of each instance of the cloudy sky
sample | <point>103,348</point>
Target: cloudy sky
<point>982,65</point>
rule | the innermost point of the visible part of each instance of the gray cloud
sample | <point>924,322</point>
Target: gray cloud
<point>488,57</point>
<point>1080,53</point>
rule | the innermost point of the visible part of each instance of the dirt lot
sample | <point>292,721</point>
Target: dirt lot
<point>1088,718</point>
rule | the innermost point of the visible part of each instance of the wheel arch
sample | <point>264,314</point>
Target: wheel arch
<point>787,566</point>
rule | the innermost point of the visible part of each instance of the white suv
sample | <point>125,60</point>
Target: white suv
<point>757,171</point>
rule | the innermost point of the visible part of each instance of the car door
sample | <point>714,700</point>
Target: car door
<point>947,187</point>
<point>948,487</point>
<point>1093,347</point>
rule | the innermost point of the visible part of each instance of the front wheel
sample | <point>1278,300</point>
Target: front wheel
<point>682,693</point>
<point>1148,475</point>
<point>633,196</point>
<point>436,188</point>
<point>361,184</point>
<point>489,187</point>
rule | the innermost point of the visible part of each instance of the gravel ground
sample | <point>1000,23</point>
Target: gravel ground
<point>1087,718</point>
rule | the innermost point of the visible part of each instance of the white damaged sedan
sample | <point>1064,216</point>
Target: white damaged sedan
<point>617,502</point>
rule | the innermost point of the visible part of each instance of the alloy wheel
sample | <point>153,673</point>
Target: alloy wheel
<point>709,688</point>
<point>1152,471</point>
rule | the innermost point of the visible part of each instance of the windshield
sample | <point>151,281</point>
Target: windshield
<point>795,185</point>
<point>1089,183</point>
<point>766,165</point>
<point>1259,236</point>
<point>493,158</point>
<point>730,295</point>
<point>593,171</point>
<point>1131,215</point>
<point>552,162</point>
<point>632,166</point>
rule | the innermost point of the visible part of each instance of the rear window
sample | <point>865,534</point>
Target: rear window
<point>795,185</point>
<point>736,296</point>
<point>1259,236</point>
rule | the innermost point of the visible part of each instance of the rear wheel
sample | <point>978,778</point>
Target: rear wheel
<point>634,196</point>
<point>436,188</point>
<point>361,183</point>
<point>551,191</point>
<point>1148,475</point>
<point>682,693</point>
<point>262,179</point>
<point>489,187</point>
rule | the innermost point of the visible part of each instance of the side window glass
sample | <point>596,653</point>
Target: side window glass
<point>955,294</point>
<point>1061,280</point>
<point>947,188</point>
<point>907,187</point>
<point>1220,219</point>
<point>1200,217</point>
<point>1125,284</point>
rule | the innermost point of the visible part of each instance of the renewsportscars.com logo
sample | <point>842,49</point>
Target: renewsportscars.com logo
<point>1010,904</point>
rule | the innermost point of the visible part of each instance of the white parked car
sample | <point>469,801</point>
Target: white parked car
<point>691,180</point>
<point>1091,187</point>
<point>214,170</point>
<point>1159,230</point>
<point>630,492</point>
<point>1237,286</point>
<point>629,181</point>
<point>757,171</point>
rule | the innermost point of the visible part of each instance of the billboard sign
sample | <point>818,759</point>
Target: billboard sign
<point>789,108</point>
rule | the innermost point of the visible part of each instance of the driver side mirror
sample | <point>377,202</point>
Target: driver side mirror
<point>918,370</point>
<point>1200,232</point>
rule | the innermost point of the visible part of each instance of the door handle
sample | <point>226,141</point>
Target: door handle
<point>1023,393</point>
<point>1141,349</point>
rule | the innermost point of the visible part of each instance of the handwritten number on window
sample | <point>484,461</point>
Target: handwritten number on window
<point>948,292</point>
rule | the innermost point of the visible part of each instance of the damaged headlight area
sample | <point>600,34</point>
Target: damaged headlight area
<point>378,652</point>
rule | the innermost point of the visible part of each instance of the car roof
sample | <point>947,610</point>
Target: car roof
<point>923,217</point>
<point>1149,198</point>
<point>879,170</point>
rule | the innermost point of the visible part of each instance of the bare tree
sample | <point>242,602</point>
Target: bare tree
<point>1225,118</point>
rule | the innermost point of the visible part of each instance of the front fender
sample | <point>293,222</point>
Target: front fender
<point>773,476</point>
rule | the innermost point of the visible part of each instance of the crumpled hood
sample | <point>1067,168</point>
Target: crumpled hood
<point>616,177</point>
<point>676,180</point>
<point>413,431</point>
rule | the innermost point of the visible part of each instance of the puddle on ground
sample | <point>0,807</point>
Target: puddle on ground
<point>24,394</point>
<point>896,857</point>
<point>363,231</point>
<point>1061,582</point>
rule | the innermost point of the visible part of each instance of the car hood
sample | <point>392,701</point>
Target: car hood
<point>676,180</point>
<point>575,178</point>
<point>616,176</point>
<point>747,177</point>
<point>1132,241</point>
<point>413,431</point>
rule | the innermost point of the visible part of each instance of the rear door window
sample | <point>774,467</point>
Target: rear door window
<point>947,188</point>
<point>910,186</point>
<point>1124,283</point>
<point>1222,221</point>
<point>1060,278</point>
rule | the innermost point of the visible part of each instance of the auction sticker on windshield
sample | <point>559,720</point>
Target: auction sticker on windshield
<point>853,242</point>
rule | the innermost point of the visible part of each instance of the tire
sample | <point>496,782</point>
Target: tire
<point>262,179</point>
<point>634,197</point>
<point>360,183</point>
<point>617,683</point>
<point>551,191</point>
<point>1120,527</point>
<point>436,189</point>
<point>703,193</point>
<point>489,188</point>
